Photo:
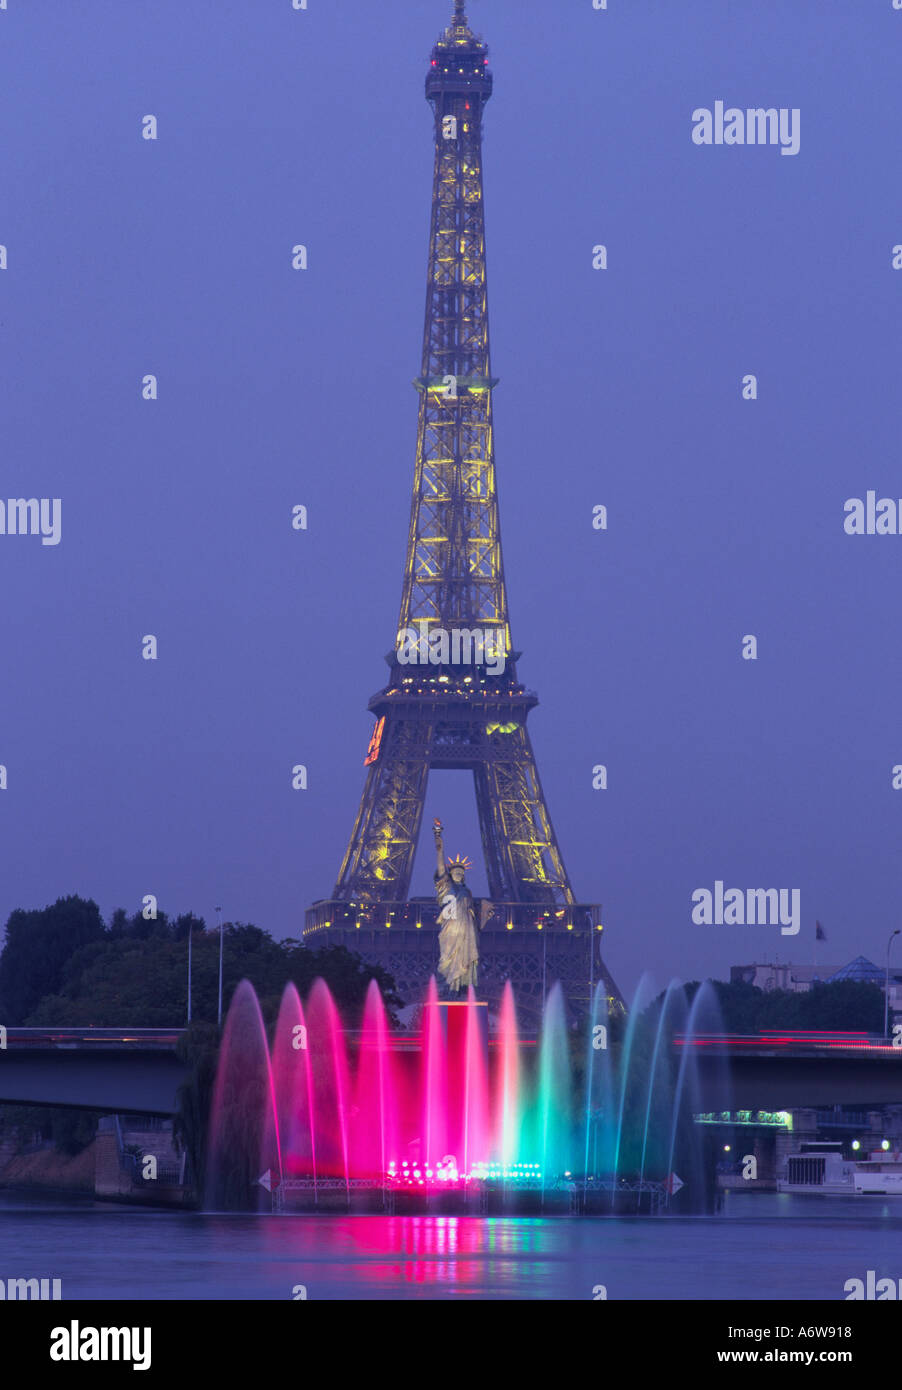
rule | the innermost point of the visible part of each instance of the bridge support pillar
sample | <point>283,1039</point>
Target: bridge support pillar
<point>109,1179</point>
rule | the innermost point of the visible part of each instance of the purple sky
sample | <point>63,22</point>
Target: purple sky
<point>622,387</point>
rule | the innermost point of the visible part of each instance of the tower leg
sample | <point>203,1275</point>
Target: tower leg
<point>523,861</point>
<point>378,862</point>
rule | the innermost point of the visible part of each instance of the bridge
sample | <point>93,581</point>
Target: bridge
<point>138,1070</point>
<point>134,1070</point>
<point>789,1070</point>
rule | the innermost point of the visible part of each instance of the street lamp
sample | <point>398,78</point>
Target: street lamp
<point>219,1014</point>
<point>189,972</point>
<point>886,985</point>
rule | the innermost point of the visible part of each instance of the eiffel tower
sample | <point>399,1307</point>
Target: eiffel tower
<point>453,699</point>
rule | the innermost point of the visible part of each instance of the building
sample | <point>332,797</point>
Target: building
<point>771,975</point>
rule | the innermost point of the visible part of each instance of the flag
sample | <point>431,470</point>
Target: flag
<point>819,933</point>
<point>673,1184</point>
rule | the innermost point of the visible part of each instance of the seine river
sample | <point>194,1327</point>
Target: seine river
<point>760,1247</point>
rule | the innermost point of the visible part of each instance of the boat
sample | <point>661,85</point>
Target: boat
<point>880,1173</point>
<point>818,1169</point>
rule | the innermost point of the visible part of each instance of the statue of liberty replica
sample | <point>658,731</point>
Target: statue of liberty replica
<point>458,950</point>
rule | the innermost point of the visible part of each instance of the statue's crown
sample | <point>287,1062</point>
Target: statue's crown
<point>460,861</point>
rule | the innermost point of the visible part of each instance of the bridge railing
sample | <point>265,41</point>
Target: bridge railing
<point>130,1038</point>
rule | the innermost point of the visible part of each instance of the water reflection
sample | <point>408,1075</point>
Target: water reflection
<point>764,1246</point>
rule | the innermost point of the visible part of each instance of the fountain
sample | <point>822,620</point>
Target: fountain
<point>463,1111</point>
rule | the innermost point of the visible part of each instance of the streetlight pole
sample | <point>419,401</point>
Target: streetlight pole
<point>886,985</point>
<point>219,1014</point>
<point>189,972</point>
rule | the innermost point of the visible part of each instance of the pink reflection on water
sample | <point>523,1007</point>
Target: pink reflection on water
<point>434,1253</point>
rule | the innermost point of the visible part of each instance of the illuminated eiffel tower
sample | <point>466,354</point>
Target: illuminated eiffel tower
<point>453,699</point>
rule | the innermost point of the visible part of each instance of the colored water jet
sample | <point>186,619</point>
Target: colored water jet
<point>330,1083</point>
<point>374,1120</point>
<point>603,1106</point>
<point>293,1088</point>
<point>244,1130</point>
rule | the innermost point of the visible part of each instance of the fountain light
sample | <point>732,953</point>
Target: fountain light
<point>475,1112</point>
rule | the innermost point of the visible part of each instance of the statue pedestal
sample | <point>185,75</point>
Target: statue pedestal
<point>465,1033</point>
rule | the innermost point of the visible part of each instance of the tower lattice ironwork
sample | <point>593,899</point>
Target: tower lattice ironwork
<point>453,699</point>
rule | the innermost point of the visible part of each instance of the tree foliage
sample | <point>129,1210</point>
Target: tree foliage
<point>39,946</point>
<point>134,973</point>
<point>838,1006</point>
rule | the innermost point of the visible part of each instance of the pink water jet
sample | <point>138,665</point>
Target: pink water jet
<point>293,1086</point>
<point>476,1147</point>
<point>434,1083</point>
<point>446,1108</point>
<point>374,1132</point>
<point>331,1085</point>
<point>507,1099</point>
<point>244,1135</point>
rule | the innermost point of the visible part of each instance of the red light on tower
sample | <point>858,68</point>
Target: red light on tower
<point>372,753</point>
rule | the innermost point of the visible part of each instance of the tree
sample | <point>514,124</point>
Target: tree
<point>740,1003</point>
<point>135,974</point>
<point>346,974</point>
<point>839,1006</point>
<point>843,1005</point>
<point>198,1049</point>
<point>39,945</point>
<point>122,983</point>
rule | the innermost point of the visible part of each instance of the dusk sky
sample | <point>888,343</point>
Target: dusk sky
<point>621,387</point>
